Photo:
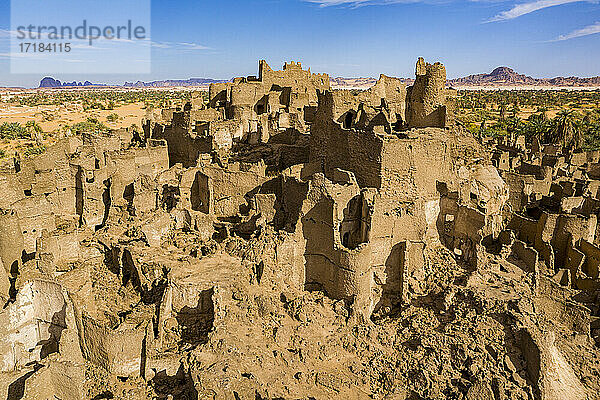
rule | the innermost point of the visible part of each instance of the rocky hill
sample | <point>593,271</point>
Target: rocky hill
<point>500,75</point>
<point>192,82</point>
<point>505,76</point>
<point>49,82</point>
<point>345,83</point>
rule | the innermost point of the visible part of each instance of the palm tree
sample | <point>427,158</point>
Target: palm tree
<point>515,109</point>
<point>502,111</point>
<point>543,111</point>
<point>566,132</point>
<point>514,125</point>
<point>481,133</point>
<point>537,126</point>
<point>592,137</point>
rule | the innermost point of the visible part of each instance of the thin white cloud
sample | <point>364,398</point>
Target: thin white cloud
<point>160,45</point>
<point>526,8</point>
<point>358,3</point>
<point>32,56</point>
<point>173,45</point>
<point>179,46</point>
<point>6,34</point>
<point>193,46</point>
<point>585,31</point>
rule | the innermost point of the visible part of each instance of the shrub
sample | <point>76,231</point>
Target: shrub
<point>91,125</point>
<point>13,130</point>
<point>34,150</point>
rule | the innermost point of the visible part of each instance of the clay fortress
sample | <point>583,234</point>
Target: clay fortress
<point>238,246</point>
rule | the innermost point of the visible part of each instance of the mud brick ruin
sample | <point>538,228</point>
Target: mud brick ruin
<point>267,244</point>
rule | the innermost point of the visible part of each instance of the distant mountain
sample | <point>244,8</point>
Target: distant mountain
<point>505,76</point>
<point>192,82</point>
<point>360,83</point>
<point>341,83</point>
<point>49,82</point>
<point>575,81</point>
<point>499,77</point>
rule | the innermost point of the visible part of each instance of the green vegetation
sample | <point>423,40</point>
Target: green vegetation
<point>569,118</point>
<point>33,126</point>
<point>91,125</point>
<point>34,150</point>
<point>494,99</point>
<point>105,99</point>
<point>114,117</point>
<point>13,130</point>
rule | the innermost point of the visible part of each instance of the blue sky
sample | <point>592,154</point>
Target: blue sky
<point>226,38</point>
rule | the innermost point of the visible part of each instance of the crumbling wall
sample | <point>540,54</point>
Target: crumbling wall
<point>40,322</point>
<point>120,351</point>
<point>591,267</point>
<point>569,229</point>
<point>554,301</point>
<point>184,146</point>
<point>528,256</point>
<point>538,233</point>
<point>230,186</point>
<point>11,249</point>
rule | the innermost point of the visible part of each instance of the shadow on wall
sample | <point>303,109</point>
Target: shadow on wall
<point>106,200</point>
<point>79,194</point>
<point>128,195</point>
<point>197,322</point>
<point>347,119</point>
<point>391,296</point>
<point>16,390</point>
<point>57,326</point>
<point>354,229</point>
<point>120,262</point>
<point>290,194</point>
<point>177,387</point>
<point>317,227</point>
<point>129,271</point>
<point>12,280</point>
<point>170,197</point>
<point>107,394</point>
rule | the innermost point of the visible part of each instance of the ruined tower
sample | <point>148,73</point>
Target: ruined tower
<point>426,98</point>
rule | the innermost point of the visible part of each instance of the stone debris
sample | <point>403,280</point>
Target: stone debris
<point>284,240</point>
